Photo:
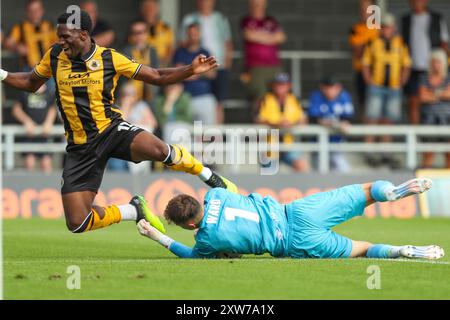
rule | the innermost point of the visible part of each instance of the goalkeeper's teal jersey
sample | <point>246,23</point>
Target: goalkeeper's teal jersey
<point>234,223</point>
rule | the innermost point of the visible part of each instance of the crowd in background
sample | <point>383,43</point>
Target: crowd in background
<point>404,57</point>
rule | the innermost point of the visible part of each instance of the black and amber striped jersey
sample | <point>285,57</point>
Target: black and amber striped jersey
<point>386,59</point>
<point>37,38</point>
<point>360,36</point>
<point>161,38</point>
<point>85,88</point>
<point>148,57</point>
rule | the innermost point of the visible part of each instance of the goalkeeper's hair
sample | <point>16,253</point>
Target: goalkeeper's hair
<point>181,209</point>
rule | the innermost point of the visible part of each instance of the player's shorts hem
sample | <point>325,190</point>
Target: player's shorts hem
<point>73,190</point>
<point>348,250</point>
<point>129,140</point>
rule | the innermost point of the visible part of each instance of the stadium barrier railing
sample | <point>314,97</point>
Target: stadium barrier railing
<point>408,141</point>
<point>295,58</point>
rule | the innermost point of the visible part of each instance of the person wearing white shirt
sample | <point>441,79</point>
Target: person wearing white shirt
<point>423,31</point>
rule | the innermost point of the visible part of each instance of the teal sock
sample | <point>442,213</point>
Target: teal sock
<point>378,190</point>
<point>383,251</point>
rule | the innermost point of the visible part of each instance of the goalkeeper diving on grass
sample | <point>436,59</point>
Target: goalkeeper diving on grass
<point>230,224</point>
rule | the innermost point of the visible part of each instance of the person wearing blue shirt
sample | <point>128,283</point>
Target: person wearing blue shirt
<point>230,224</point>
<point>332,106</point>
<point>203,101</point>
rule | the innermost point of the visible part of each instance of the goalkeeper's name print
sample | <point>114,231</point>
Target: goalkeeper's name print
<point>213,211</point>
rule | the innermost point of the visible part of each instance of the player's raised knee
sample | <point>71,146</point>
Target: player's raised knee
<point>77,223</point>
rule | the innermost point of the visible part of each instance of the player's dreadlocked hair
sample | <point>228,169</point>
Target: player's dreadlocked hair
<point>181,208</point>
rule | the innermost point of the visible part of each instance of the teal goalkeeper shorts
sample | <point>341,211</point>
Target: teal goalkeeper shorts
<point>310,221</point>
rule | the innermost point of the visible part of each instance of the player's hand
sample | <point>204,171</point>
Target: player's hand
<point>148,230</point>
<point>202,64</point>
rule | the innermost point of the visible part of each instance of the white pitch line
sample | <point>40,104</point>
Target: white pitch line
<point>150,260</point>
<point>416,261</point>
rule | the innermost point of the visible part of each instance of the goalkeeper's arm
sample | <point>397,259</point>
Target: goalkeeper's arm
<point>178,249</point>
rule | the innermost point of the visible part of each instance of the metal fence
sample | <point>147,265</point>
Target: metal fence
<point>409,141</point>
<point>296,59</point>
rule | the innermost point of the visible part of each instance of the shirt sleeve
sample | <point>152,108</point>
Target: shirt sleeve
<point>177,57</point>
<point>244,23</point>
<point>353,37</point>
<point>406,58</point>
<point>203,248</point>
<point>276,25</point>
<point>43,68</point>
<point>15,33</point>
<point>226,29</point>
<point>314,105</point>
<point>124,65</point>
<point>300,114</point>
<point>367,56</point>
<point>182,251</point>
<point>349,109</point>
<point>264,112</point>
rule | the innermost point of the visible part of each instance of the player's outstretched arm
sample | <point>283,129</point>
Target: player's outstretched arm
<point>27,81</point>
<point>162,77</point>
<point>178,249</point>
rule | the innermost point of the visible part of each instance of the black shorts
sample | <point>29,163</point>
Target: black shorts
<point>85,164</point>
<point>412,86</point>
<point>429,118</point>
<point>220,85</point>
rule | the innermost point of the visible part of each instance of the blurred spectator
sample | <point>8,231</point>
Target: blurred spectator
<point>203,102</point>
<point>262,36</point>
<point>102,32</point>
<point>434,96</point>
<point>32,37</point>
<point>161,34</point>
<point>137,112</point>
<point>282,110</point>
<point>32,110</point>
<point>173,110</point>
<point>216,38</point>
<point>140,51</point>
<point>386,68</point>
<point>332,106</point>
<point>423,30</point>
<point>360,36</point>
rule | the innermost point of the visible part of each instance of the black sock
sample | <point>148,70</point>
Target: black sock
<point>216,181</point>
<point>171,156</point>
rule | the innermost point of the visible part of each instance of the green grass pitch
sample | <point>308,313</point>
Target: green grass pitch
<point>117,263</point>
